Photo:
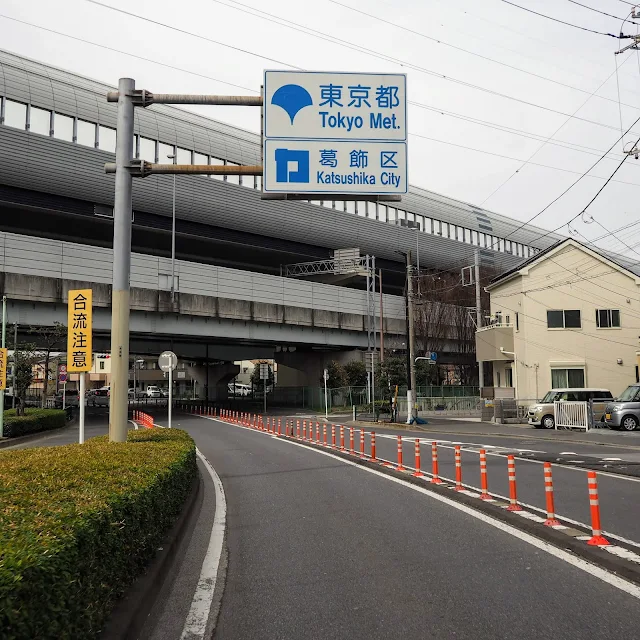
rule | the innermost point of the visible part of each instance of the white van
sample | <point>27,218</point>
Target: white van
<point>238,389</point>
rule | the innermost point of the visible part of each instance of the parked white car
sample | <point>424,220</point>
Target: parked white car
<point>153,392</point>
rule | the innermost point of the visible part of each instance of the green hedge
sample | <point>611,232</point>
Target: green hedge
<point>33,421</point>
<point>79,523</point>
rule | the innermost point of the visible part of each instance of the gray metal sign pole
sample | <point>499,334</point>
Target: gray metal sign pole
<point>121,265</point>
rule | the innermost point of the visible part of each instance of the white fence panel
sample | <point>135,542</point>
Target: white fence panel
<point>571,414</point>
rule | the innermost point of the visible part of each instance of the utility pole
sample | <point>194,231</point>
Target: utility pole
<point>412,391</point>
<point>381,320</point>
<point>118,408</point>
<point>3,344</point>
<point>15,350</point>
<point>478,314</point>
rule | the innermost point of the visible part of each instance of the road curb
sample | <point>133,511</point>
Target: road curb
<point>131,612</point>
<point>597,556</point>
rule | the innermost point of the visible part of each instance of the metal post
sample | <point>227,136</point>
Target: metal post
<point>64,396</point>
<point>412,390</point>
<point>82,403</point>
<point>326,402</point>
<point>170,395</point>
<point>418,249</point>
<point>15,350</point>
<point>373,384</point>
<point>478,315</point>
<point>3,344</point>
<point>265,395</point>
<point>121,265</point>
<point>381,320</point>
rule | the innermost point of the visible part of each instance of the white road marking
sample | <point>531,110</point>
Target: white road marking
<point>611,459</point>
<point>560,554</point>
<point>568,453</point>
<point>196,623</point>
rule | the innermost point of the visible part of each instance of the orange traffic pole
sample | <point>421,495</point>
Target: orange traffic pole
<point>298,429</point>
<point>362,454</point>
<point>597,539</point>
<point>333,436</point>
<point>458,458</point>
<point>351,441</point>
<point>484,483</point>
<point>513,494</point>
<point>551,520</point>
<point>434,464</point>
<point>324,434</point>
<point>341,438</point>
<point>304,429</point>
<point>373,447</point>
<point>400,466</point>
<point>417,473</point>
<point>317,433</point>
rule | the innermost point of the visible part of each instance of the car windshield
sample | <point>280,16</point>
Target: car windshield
<point>628,394</point>
<point>551,396</point>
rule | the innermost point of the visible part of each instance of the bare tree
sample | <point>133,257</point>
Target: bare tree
<point>49,340</point>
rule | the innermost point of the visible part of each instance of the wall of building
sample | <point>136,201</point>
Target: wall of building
<point>571,279</point>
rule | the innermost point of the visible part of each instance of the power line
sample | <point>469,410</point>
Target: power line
<point>125,53</point>
<point>535,164</point>
<point>604,13</point>
<point>446,44</point>
<point>190,33</point>
<point>569,24</point>
<point>269,17</point>
<point>500,186</point>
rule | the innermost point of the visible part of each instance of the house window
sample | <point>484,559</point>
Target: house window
<point>607,318</point>
<point>567,378</point>
<point>517,321</point>
<point>566,319</point>
<point>508,377</point>
<point>15,114</point>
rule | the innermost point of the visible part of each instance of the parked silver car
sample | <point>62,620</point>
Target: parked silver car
<point>99,398</point>
<point>624,411</point>
<point>542,414</point>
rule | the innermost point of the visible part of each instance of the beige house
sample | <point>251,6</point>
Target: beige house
<point>567,317</point>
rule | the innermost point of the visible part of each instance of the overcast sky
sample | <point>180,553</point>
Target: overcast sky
<point>453,156</point>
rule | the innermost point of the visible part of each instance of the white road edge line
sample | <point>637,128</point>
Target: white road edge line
<point>575,561</point>
<point>196,623</point>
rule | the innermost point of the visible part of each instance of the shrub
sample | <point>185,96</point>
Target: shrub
<point>33,421</point>
<point>79,523</point>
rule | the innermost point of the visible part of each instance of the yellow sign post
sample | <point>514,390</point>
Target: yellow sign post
<point>3,369</point>
<point>79,341</point>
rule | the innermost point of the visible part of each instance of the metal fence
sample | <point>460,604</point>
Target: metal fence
<point>571,414</point>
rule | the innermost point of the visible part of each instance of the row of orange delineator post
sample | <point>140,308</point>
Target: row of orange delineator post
<point>274,426</point>
<point>144,419</point>
<point>551,521</point>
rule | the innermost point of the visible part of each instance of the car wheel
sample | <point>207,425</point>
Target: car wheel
<point>548,422</point>
<point>629,423</point>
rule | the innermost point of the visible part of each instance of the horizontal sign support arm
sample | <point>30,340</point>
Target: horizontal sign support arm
<point>143,98</point>
<point>142,169</point>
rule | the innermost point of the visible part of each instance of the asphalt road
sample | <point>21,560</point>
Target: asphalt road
<point>321,549</point>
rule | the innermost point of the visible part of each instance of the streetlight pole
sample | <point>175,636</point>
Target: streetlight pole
<point>412,391</point>
<point>172,156</point>
<point>478,314</point>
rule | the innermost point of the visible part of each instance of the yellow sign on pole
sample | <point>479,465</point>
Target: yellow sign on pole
<point>3,369</point>
<point>79,332</point>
